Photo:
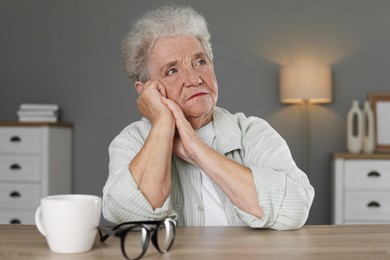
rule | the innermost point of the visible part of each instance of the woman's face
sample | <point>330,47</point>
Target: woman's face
<point>182,66</point>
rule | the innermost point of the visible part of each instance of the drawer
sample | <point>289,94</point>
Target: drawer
<point>19,196</point>
<point>367,174</point>
<point>17,217</point>
<point>18,167</point>
<point>20,140</point>
<point>367,205</point>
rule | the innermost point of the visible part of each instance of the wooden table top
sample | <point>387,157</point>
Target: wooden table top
<point>311,242</point>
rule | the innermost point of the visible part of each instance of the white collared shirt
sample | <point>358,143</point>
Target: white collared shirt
<point>213,209</point>
<point>284,192</point>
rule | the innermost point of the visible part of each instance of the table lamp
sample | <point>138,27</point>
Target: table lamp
<point>304,84</point>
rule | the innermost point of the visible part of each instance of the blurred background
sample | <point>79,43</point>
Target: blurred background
<point>68,53</point>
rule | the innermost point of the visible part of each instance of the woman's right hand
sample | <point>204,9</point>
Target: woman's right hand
<point>149,102</point>
<point>151,167</point>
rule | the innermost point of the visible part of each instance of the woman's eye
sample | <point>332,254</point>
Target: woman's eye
<point>171,71</point>
<point>201,62</point>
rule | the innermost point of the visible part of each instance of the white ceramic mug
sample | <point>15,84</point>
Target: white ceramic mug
<point>69,222</point>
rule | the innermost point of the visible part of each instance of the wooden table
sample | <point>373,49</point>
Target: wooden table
<point>311,242</point>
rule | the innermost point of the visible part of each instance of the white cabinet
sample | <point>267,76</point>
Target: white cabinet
<point>361,188</point>
<point>35,161</point>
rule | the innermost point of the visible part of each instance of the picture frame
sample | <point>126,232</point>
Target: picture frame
<point>380,105</point>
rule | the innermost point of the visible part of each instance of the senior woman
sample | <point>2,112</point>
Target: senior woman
<point>187,158</point>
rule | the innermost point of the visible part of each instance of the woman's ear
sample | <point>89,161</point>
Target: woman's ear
<point>139,86</point>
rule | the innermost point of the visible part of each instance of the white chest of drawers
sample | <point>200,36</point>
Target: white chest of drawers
<point>35,161</point>
<point>361,188</point>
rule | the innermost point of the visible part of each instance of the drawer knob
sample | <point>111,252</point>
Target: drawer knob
<point>374,204</point>
<point>15,194</point>
<point>15,221</point>
<point>15,167</point>
<point>373,174</point>
<point>15,139</point>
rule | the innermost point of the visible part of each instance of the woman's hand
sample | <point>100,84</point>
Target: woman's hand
<point>185,141</point>
<point>151,167</point>
<point>149,102</point>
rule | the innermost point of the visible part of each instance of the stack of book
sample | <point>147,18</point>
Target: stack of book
<point>38,113</point>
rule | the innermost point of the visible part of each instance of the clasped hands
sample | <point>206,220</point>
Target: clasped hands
<point>154,104</point>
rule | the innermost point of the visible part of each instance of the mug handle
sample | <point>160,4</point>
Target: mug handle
<point>38,220</point>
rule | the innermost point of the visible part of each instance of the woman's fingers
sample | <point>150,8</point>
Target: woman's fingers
<point>176,111</point>
<point>187,139</point>
<point>149,100</point>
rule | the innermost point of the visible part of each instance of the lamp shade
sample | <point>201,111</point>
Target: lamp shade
<point>311,83</point>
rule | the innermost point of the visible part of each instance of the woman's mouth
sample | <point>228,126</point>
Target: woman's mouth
<point>197,95</point>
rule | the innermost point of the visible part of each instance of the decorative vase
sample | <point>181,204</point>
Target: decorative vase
<point>368,133</point>
<point>355,128</point>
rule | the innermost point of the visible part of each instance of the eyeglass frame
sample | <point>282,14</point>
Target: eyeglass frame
<point>150,235</point>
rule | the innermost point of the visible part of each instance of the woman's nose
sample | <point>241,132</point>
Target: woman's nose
<point>192,78</point>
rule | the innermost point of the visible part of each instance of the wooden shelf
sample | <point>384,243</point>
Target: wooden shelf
<point>24,124</point>
<point>361,156</point>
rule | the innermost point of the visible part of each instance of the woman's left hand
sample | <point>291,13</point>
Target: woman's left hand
<point>186,141</point>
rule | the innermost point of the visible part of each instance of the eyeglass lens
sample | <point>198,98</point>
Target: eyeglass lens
<point>136,241</point>
<point>165,236</point>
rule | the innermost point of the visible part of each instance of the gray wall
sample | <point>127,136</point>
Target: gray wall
<point>67,52</point>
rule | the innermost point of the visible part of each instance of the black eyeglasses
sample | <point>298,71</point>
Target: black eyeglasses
<point>135,236</point>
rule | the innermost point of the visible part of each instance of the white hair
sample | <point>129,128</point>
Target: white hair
<point>166,21</point>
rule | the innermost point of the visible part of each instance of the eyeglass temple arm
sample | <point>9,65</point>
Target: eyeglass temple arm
<point>103,237</point>
<point>147,222</point>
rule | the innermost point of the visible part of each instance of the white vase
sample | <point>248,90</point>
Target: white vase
<point>355,128</point>
<point>368,132</point>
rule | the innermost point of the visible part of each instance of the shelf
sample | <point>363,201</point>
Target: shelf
<point>361,156</point>
<point>24,124</point>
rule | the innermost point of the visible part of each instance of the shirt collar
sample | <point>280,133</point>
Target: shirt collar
<point>227,131</point>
